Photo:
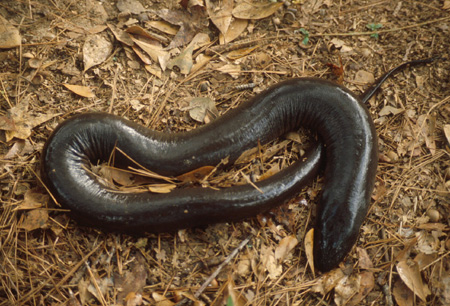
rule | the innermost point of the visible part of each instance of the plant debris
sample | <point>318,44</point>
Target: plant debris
<point>147,61</point>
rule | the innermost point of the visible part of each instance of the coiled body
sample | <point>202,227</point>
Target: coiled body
<point>336,114</point>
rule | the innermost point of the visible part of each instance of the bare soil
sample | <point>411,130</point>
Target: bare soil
<point>402,255</point>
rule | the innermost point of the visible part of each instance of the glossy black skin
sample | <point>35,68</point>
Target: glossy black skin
<point>336,114</point>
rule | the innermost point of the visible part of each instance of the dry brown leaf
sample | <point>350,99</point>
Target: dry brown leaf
<point>220,13</point>
<point>427,242</point>
<point>119,176</point>
<point>201,107</point>
<point>163,26</point>
<point>286,245</point>
<point>246,10</point>
<point>433,226</point>
<point>387,110</point>
<point>364,77</point>
<point>447,133</point>
<point>121,36</point>
<point>196,175</point>
<point>346,288</point>
<point>366,285</point>
<point>133,299</point>
<point>402,294</point>
<point>9,35</point>
<point>161,300</point>
<point>236,28</point>
<point>6,124</point>
<point>96,50</point>
<point>232,70</point>
<point>200,61</point>
<point>183,61</point>
<point>152,48</point>
<point>140,32</point>
<point>275,168</point>
<point>446,5</point>
<point>181,294</point>
<point>364,260</point>
<point>34,219</point>
<point>133,280</point>
<point>33,199</point>
<point>24,121</point>
<point>143,57</point>
<point>236,54</point>
<point>232,296</point>
<point>424,260</point>
<point>328,281</point>
<point>445,290</point>
<point>99,289</point>
<point>190,24</point>
<point>309,247</point>
<point>83,291</point>
<point>80,90</point>
<point>131,6</point>
<point>247,156</point>
<point>161,188</point>
<point>20,147</point>
<point>426,125</point>
<point>154,70</point>
<point>270,263</point>
<point>244,265</point>
<point>410,274</point>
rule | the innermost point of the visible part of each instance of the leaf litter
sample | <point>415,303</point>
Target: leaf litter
<point>411,259</point>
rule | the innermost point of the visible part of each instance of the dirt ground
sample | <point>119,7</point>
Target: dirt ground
<point>402,256</point>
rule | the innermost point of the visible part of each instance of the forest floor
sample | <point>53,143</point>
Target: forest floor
<point>75,57</point>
